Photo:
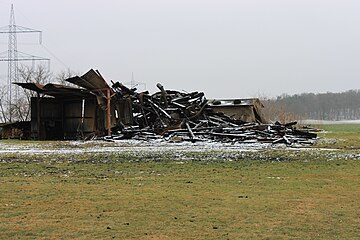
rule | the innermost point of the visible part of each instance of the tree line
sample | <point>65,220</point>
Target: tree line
<point>321,106</point>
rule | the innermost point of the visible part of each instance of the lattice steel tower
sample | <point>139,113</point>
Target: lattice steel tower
<point>134,83</point>
<point>13,57</point>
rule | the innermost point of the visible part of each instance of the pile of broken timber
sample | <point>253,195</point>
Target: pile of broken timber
<point>178,116</point>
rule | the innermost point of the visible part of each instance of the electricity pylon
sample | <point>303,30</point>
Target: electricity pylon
<point>13,56</point>
<point>134,83</point>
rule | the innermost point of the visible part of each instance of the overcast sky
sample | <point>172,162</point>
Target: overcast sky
<point>228,49</point>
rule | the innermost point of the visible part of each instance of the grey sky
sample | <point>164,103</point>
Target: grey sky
<point>224,48</point>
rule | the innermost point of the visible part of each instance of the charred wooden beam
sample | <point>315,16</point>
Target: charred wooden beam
<point>163,94</point>
<point>192,136</point>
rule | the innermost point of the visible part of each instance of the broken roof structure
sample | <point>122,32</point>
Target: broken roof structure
<point>56,90</point>
<point>64,112</point>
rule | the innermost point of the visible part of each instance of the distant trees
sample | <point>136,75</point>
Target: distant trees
<point>322,106</point>
<point>274,111</point>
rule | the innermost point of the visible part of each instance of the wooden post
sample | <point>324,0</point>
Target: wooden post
<point>38,115</point>
<point>108,112</point>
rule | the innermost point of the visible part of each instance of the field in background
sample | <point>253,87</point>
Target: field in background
<point>340,136</point>
<point>172,193</point>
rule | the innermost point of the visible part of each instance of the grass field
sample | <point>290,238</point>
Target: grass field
<point>341,136</point>
<point>263,194</point>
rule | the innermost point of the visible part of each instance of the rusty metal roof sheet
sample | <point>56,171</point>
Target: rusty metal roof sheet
<point>91,83</point>
<point>37,87</point>
<point>55,90</point>
<point>91,80</point>
<point>95,83</point>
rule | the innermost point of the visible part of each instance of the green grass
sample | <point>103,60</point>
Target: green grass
<point>269,194</point>
<point>340,128</point>
<point>190,200</point>
<point>340,136</point>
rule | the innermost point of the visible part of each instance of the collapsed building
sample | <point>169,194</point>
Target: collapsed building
<point>93,109</point>
<point>61,112</point>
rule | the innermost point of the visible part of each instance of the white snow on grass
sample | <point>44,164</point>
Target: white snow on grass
<point>77,147</point>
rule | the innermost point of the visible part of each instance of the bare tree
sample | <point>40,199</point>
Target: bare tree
<point>37,74</point>
<point>63,75</point>
<point>275,111</point>
<point>3,104</point>
<point>20,108</point>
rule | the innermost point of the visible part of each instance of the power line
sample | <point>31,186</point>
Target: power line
<point>52,54</point>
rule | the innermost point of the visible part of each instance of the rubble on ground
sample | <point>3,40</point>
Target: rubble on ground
<point>178,116</point>
<point>92,109</point>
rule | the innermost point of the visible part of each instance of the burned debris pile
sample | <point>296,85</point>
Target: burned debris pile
<point>92,109</point>
<point>178,116</point>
